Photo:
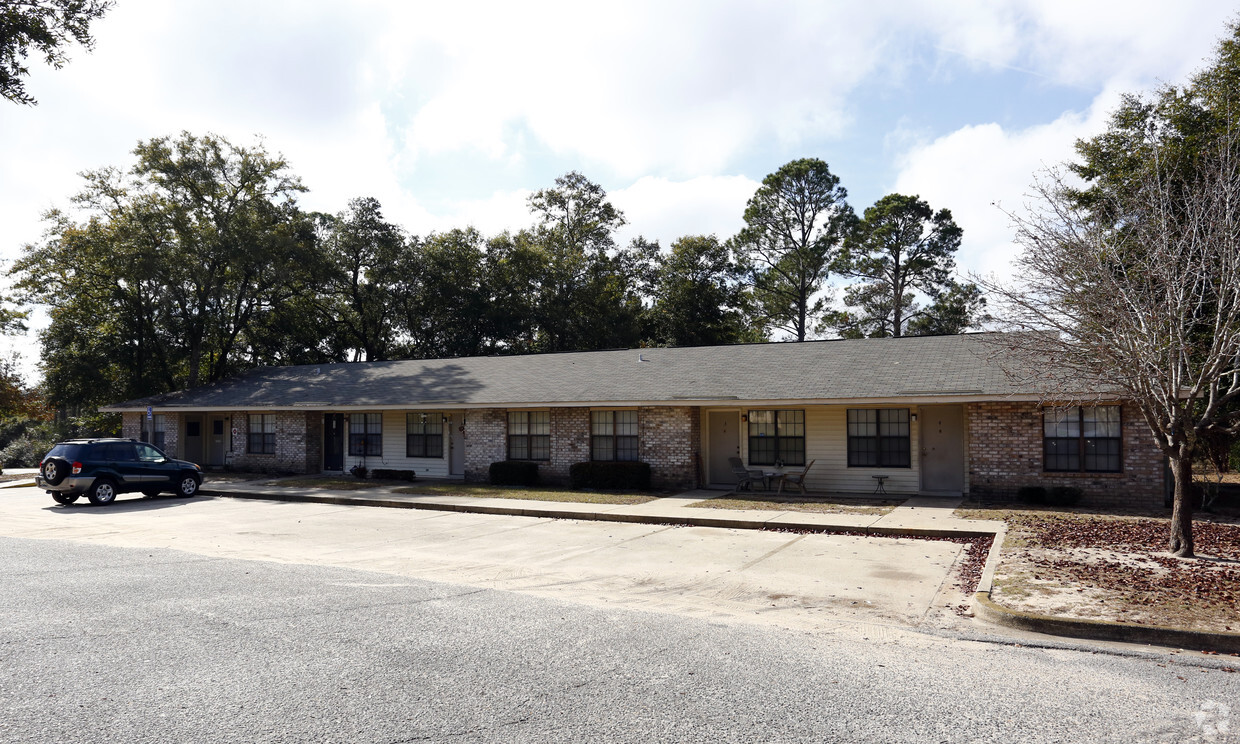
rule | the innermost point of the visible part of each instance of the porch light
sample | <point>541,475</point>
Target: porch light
<point>913,417</point>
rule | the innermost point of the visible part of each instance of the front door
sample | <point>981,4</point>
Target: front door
<point>942,448</point>
<point>193,439</point>
<point>333,441</point>
<point>723,431</point>
<point>216,452</point>
<point>456,445</point>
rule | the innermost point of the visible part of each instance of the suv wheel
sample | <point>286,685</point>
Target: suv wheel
<point>189,485</point>
<point>102,493</point>
<point>65,498</point>
<point>55,470</point>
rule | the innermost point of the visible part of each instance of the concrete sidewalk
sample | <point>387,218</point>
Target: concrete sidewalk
<point>916,517</point>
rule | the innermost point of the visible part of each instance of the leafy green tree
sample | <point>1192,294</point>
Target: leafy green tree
<point>698,295</point>
<point>175,264</point>
<point>447,304</point>
<point>365,252</point>
<point>1167,133</point>
<point>45,27</point>
<point>794,225</point>
<point>585,297</point>
<point>901,247</point>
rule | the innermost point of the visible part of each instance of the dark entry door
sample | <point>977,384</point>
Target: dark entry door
<point>333,441</point>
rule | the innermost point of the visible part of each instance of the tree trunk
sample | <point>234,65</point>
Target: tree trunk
<point>1182,507</point>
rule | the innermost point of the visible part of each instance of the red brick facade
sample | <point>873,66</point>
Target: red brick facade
<point>1005,453</point>
<point>669,439</point>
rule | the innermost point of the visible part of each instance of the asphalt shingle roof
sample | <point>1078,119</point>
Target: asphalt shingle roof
<point>961,366</point>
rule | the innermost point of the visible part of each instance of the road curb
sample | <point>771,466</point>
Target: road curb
<point>605,516</point>
<point>1104,630</point>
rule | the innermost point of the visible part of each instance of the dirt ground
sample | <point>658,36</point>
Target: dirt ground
<point>1078,564</point>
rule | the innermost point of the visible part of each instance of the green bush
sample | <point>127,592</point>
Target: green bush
<point>1031,494</point>
<point>28,449</point>
<point>513,473</point>
<point>382,474</point>
<point>1063,495</point>
<point>610,475</point>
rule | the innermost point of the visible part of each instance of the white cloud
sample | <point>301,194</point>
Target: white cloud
<point>664,210</point>
<point>981,170</point>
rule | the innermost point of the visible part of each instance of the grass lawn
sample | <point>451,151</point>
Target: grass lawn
<point>337,483</point>
<point>482,490</point>
<point>536,493</point>
<point>798,503</point>
<point>1073,563</point>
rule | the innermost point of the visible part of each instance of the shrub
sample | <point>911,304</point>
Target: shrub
<point>513,473</point>
<point>1031,494</point>
<point>405,475</point>
<point>1063,495</point>
<point>26,450</point>
<point>610,475</point>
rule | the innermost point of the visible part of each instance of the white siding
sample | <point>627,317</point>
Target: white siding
<point>393,457</point>
<point>826,443</point>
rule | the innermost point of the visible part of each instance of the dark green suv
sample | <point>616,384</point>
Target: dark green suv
<point>103,468</point>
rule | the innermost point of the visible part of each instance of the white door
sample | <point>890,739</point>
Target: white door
<point>456,445</point>
<point>724,440</point>
<point>942,448</point>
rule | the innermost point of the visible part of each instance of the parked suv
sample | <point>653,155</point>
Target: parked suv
<point>102,468</point>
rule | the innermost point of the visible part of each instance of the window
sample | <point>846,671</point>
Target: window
<point>147,453</point>
<point>777,437</point>
<point>1081,439</point>
<point>423,435</point>
<point>158,437</point>
<point>366,434</point>
<point>262,439</point>
<point>613,435</point>
<point>878,438</point>
<point>529,435</point>
<point>117,452</point>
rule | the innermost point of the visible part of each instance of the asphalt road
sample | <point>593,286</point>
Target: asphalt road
<point>109,644</point>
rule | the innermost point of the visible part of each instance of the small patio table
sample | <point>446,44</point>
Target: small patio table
<point>880,479</point>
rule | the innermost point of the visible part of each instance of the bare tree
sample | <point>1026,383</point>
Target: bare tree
<point>1146,307</point>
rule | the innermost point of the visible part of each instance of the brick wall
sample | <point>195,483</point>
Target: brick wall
<point>670,439</point>
<point>299,443</point>
<point>486,431</point>
<point>570,443</point>
<point>1005,453</point>
<point>131,425</point>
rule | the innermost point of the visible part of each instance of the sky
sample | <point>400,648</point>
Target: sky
<point>452,113</point>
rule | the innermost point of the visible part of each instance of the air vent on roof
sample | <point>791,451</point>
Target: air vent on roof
<point>318,371</point>
<point>642,358</point>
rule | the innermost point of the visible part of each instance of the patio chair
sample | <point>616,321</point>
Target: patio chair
<point>745,478</point>
<point>796,479</point>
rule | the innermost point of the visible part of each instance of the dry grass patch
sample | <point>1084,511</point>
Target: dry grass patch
<point>336,483</point>
<point>1071,563</point>
<point>814,504</point>
<point>543,493</point>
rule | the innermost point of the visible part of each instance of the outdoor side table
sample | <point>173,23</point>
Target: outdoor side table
<point>881,479</point>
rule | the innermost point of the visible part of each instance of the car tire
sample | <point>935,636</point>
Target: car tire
<point>55,470</point>
<point>65,498</point>
<point>102,492</point>
<point>188,485</point>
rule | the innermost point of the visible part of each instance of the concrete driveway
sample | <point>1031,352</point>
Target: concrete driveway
<point>809,581</point>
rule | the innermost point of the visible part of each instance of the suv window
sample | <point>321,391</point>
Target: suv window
<point>68,451</point>
<point>116,452</point>
<point>147,453</point>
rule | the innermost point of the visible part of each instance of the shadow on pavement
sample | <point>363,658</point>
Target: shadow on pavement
<point>123,503</point>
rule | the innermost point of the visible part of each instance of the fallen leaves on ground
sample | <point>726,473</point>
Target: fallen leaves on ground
<point>1121,567</point>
